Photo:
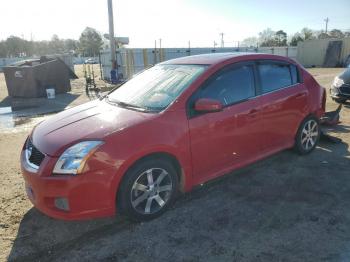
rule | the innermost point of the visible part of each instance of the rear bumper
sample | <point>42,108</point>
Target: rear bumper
<point>89,195</point>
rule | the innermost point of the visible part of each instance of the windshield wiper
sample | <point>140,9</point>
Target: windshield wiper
<point>126,105</point>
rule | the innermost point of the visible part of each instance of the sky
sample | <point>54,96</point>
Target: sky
<point>176,22</point>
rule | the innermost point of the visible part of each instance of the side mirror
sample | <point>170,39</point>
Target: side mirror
<point>208,105</point>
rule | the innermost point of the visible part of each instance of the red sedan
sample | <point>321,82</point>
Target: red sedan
<point>174,126</point>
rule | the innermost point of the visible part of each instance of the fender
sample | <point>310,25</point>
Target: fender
<point>185,165</point>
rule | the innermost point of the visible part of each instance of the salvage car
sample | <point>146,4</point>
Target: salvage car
<point>90,61</point>
<point>172,127</point>
<point>340,89</point>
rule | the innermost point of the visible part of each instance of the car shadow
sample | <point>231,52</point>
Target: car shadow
<point>272,195</point>
<point>39,235</point>
<point>328,145</point>
<point>339,128</point>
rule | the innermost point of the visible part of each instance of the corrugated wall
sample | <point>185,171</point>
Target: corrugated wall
<point>346,49</point>
<point>313,52</point>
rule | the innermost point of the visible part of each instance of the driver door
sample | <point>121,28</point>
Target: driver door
<point>221,141</point>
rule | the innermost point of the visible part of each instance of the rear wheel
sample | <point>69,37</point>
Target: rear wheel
<point>307,136</point>
<point>148,189</point>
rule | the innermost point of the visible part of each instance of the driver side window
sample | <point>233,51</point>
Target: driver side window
<point>231,85</point>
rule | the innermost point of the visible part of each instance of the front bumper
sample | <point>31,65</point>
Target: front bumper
<point>89,195</point>
<point>342,92</point>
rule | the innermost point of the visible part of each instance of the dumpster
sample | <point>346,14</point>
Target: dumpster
<point>31,78</point>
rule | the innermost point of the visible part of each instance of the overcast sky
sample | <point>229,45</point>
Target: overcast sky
<point>175,22</point>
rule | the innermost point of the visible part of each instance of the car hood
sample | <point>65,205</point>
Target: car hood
<point>92,120</point>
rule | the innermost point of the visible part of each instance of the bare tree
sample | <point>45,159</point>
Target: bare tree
<point>250,41</point>
<point>90,42</point>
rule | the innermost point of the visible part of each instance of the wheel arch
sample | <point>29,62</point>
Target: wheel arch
<point>311,114</point>
<point>184,180</point>
<point>162,155</point>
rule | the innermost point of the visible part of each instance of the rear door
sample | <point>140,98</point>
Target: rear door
<point>222,140</point>
<point>284,103</point>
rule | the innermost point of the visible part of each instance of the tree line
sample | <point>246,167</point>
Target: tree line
<point>270,38</point>
<point>89,44</point>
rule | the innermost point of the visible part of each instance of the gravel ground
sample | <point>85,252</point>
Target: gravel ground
<point>284,208</point>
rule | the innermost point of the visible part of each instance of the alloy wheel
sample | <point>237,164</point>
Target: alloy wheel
<point>151,191</point>
<point>309,134</point>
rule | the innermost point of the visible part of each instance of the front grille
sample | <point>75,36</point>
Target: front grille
<point>35,156</point>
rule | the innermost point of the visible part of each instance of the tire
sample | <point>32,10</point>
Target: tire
<point>307,136</point>
<point>148,189</point>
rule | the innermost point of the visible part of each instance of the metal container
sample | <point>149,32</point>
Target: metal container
<point>32,78</point>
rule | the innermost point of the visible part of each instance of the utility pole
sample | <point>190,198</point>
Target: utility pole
<point>222,39</point>
<point>326,20</point>
<point>155,52</point>
<point>215,44</point>
<point>160,50</point>
<point>111,33</point>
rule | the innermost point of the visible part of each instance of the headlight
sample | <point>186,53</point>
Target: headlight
<point>338,82</point>
<point>73,159</point>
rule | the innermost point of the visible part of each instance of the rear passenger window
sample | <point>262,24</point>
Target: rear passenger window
<point>231,86</point>
<point>274,76</point>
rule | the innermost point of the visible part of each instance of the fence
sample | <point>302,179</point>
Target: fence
<point>131,61</point>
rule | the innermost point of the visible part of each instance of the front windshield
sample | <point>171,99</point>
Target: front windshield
<point>157,87</point>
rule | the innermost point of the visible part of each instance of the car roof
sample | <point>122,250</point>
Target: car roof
<point>216,58</point>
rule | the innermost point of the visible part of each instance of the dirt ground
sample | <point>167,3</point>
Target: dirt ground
<point>284,208</point>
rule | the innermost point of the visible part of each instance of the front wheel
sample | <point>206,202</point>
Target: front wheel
<point>307,136</point>
<point>148,189</point>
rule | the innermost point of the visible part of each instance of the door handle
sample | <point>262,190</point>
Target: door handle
<point>253,112</point>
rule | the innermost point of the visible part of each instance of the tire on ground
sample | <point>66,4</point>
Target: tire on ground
<point>299,145</point>
<point>124,201</point>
